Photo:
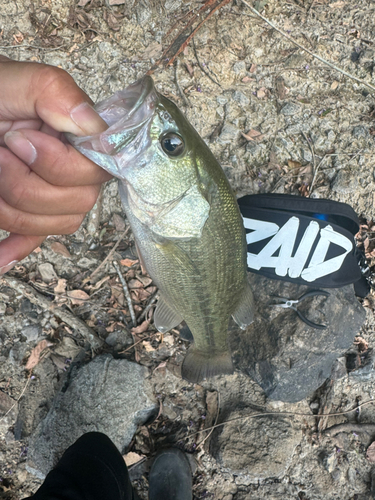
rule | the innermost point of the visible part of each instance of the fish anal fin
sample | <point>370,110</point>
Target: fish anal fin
<point>199,365</point>
<point>185,334</point>
<point>244,314</point>
<point>165,317</point>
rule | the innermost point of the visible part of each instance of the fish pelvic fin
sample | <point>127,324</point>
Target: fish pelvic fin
<point>244,314</point>
<point>165,317</point>
<point>199,365</point>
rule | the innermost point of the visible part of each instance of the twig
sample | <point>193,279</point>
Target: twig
<point>127,293</point>
<point>20,396</point>
<point>120,238</point>
<point>281,413</point>
<point>349,427</point>
<point>201,67</point>
<point>315,168</point>
<point>36,298</point>
<point>183,96</point>
<point>362,82</point>
<point>153,298</point>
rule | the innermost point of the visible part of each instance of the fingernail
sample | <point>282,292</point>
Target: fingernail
<point>8,267</point>
<point>21,146</point>
<point>87,119</point>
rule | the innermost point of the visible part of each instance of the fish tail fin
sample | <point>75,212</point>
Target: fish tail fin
<point>199,365</point>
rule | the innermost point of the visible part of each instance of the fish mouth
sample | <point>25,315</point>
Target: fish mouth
<point>128,114</point>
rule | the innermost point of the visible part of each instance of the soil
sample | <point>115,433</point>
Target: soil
<point>279,120</point>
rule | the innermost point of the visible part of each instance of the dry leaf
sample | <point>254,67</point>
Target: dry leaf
<point>37,250</point>
<point>78,296</point>
<point>253,68</point>
<point>337,5</point>
<point>141,328</point>
<point>128,262</point>
<point>281,89</point>
<point>212,401</point>
<point>147,345</point>
<point>334,85</point>
<point>61,249</point>
<point>370,453</point>
<point>190,69</point>
<point>153,51</point>
<point>132,458</point>
<point>135,284</point>
<point>251,135</point>
<point>118,222</point>
<point>35,354</point>
<point>294,164</point>
<point>247,79</point>
<point>61,286</point>
<point>261,93</point>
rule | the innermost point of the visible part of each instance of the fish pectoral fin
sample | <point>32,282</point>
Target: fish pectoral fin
<point>165,318</point>
<point>176,256</point>
<point>184,218</point>
<point>244,314</point>
<point>199,364</point>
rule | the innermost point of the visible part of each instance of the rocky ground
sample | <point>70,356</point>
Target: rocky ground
<point>279,120</point>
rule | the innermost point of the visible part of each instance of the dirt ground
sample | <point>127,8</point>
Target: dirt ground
<point>279,120</point>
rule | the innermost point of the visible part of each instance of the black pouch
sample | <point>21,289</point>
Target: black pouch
<point>302,240</point>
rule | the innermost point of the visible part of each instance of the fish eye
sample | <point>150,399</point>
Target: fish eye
<point>172,144</point>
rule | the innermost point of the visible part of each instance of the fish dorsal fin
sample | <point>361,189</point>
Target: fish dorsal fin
<point>165,317</point>
<point>244,314</point>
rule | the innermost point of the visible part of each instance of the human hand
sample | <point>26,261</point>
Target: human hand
<point>46,186</point>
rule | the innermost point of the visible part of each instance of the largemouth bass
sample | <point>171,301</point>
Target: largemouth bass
<point>184,216</point>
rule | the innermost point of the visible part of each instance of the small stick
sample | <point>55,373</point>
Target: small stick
<point>67,317</point>
<point>120,238</point>
<point>201,67</point>
<point>20,396</point>
<point>186,102</point>
<point>126,291</point>
<point>362,82</point>
<point>149,305</point>
<point>281,413</point>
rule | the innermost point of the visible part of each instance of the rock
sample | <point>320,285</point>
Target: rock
<point>229,133</point>
<point>106,395</point>
<point>239,97</point>
<point>239,67</point>
<point>31,332</point>
<point>258,451</point>
<point>287,358</point>
<point>290,109</point>
<point>47,272</point>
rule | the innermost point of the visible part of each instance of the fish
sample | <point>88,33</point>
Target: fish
<point>185,219</point>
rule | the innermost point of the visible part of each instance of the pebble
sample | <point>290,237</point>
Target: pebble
<point>290,109</point>
<point>31,332</point>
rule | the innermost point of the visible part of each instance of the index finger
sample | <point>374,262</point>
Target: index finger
<point>32,91</point>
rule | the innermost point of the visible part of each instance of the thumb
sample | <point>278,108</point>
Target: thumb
<point>38,91</point>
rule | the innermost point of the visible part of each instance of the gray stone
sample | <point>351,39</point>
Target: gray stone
<point>290,109</point>
<point>229,133</point>
<point>31,332</point>
<point>47,272</point>
<point>360,131</point>
<point>239,67</point>
<point>287,358</point>
<point>239,97</point>
<point>246,448</point>
<point>107,395</point>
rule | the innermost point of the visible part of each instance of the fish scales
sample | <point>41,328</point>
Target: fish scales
<point>185,220</point>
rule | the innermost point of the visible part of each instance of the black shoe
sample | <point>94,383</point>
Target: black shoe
<point>170,476</point>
